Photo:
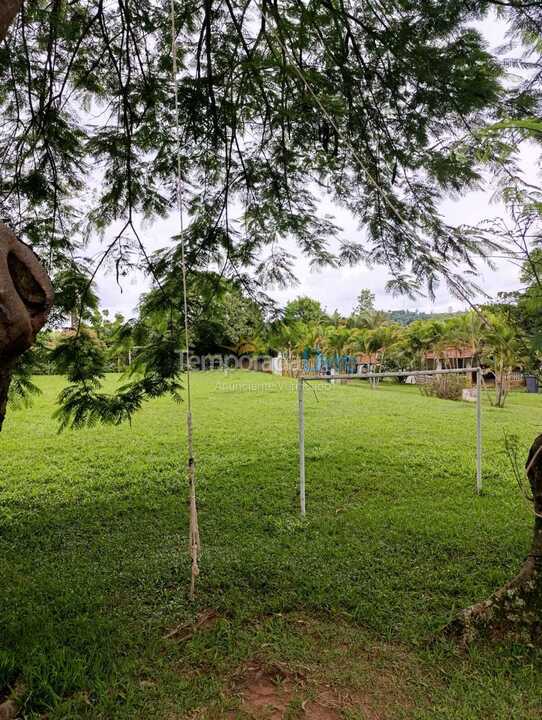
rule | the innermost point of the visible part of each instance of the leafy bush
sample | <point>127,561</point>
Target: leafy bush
<point>446,387</point>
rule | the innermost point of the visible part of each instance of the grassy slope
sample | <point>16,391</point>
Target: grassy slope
<point>92,540</point>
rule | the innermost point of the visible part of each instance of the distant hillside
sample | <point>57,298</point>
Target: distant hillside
<point>405,317</point>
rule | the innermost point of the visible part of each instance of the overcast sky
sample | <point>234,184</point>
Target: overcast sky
<point>338,288</point>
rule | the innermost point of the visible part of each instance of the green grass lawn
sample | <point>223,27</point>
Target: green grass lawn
<point>334,610</point>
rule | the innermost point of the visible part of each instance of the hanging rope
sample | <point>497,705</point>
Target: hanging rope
<point>193,539</point>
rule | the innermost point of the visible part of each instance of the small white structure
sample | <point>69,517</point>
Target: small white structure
<point>276,365</point>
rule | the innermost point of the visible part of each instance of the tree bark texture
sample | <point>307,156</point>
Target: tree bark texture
<point>26,296</point>
<point>514,610</point>
<point>8,11</point>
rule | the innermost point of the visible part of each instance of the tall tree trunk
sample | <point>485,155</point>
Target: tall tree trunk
<point>502,387</point>
<point>498,391</point>
<point>5,379</point>
<point>8,11</point>
<point>515,610</point>
<point>26,296</point>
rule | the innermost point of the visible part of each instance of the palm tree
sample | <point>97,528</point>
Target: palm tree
<point>335,341</point>
<point>422,336</point>
<point>312,339</point>
<point>359,341</point>
<point>464,331</point>
<point>369,319</point>
<point>503,351</point>
<point>283,337</point>
<point>375,343</point>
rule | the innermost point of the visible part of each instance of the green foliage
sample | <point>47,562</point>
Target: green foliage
<point>75,295</point>
<point>405,317</point>
<point>82,406</point>
<point>365,302</point>
<point>223,315</point>
<point>522,310</point>
<point>81,357</point>
<point>334,340</point>
<point>22,389</point>
<point>253,135</point>
<point>304,310</point>
<point>445,387</point>
<point>533,126</point>
<point>293,337</point>
<point>487,337</point>
<point>256,135</point>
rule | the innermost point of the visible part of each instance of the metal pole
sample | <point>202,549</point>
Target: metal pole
<point>479,431</point>
<point>301,402</point>
<point>377,376</point>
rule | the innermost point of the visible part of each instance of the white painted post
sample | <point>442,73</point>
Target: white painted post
<point>301,403</point>
<point>479,431</point>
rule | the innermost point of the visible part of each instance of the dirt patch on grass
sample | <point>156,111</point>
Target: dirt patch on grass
<point>275,693</point>
<point>305,668</point>
<point>8,710</point>
<point>271,692</point>
<point>9,701</point>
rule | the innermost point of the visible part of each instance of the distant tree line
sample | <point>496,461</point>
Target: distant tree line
<point>225,319</point>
